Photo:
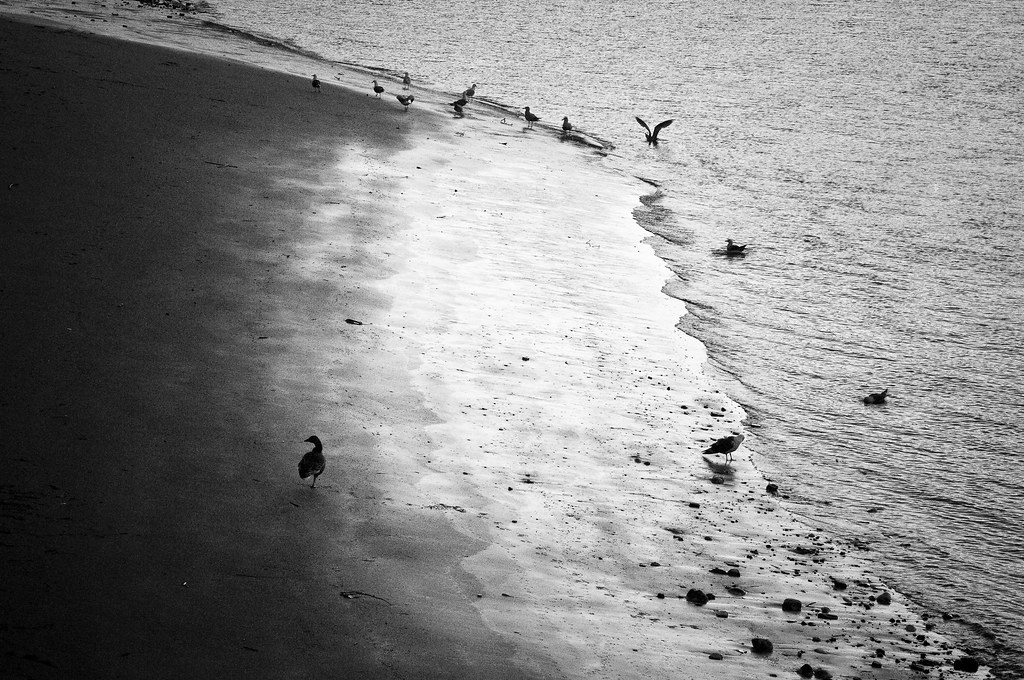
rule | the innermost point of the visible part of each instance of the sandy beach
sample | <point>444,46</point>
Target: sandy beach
<point>206,261</point>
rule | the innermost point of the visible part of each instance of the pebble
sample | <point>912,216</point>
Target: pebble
<point>791,604</point>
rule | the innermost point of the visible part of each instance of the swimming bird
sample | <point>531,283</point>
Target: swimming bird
<point>877,397</point>
<point>405,100</point>
<point>731,247</point>
<point>725,445</point>
<point>530,118</point>
<point>316,83</point>
<point>471,92</point>
<point>406,81</point>
<point>652,137</point>
<point>566,125</point>
<point>377,88</point>
<point>313,463</point>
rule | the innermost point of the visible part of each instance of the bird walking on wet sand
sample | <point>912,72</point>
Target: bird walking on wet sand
<point>405,100</point>
<point>877,397</point>
<point>378,89</point>
<point>406,81</point>
<point>530,118</point>
<point>652,137</point>
<point>316,83</point>
<point>313,463</point>
<point>726,445</point>
<point>566,125</point>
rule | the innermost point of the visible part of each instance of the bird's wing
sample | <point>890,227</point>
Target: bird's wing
<point>643,124</point>
<point>659,126</point>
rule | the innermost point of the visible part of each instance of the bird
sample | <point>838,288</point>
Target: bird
<point>460,102</point>
<point>725,445</point>
<point>566,125</point>
<point>731,247</point>
<point>877,397</point>
<point>377,88</point>
<point>458,109</point>
<point>316,83</point>
<point>470,92</point>
<point>531,118</point>
<point>405,100</point>
<point>406,81</point>
<point>313,463</point>
<point>652,137</point>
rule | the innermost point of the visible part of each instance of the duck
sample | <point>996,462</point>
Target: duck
<point>877,397</point>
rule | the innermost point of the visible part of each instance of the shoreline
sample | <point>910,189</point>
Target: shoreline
<point>487,511</point>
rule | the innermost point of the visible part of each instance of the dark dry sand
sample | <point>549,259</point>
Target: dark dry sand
<point>168,342</point>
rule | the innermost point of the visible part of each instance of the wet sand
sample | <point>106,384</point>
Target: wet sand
<point>206,262</point>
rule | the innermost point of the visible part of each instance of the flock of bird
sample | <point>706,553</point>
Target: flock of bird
<point>459,107</point>
<point>313,462</point>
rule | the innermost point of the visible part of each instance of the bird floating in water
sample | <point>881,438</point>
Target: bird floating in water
<point>731,247</point>
<point>877,397</point>
<point>377,88</point>
<point>566,125</point>
<point>405,100</point>
<point>530,118</point>
<point>725,445</point>
<point>471,92</point>
<point>406,81</point>
<point>316,83</point>
<point>652,137</point>
<point>313,463</point>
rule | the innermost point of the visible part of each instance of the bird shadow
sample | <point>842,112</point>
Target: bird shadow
<point>718,468</point>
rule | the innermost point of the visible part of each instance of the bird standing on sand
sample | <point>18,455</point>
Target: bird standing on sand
<point>530,118</point>
<point>313,463</point>
<point>316,83</point>
<point>406,81</point>
<point>377,88</point>
<point>725,445</point>
<point>652,137</point>
<point>471,92</point>
<point>877,397</point>
<point>460,102</point>
<point>405,100</point>
<point>566,125</point>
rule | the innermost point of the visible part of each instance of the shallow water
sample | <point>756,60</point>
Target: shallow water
<point>870,152</point>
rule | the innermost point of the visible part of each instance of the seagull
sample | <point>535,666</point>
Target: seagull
<point>652,137</point>
<point>530,118</point>
<point>731,247</point>
<point>460,102</point>
<point>566,125</point>
<point>316,83</point>
<point>725,445</point>
<point>313,463</point>
<point>405,100</point>
<point>471,92</point>
<point>877,397</point>
<point>406,81</point>
<point>458,109</point>
<point>377,88</point>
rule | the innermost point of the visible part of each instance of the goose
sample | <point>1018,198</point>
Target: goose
<point>313,463</point>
